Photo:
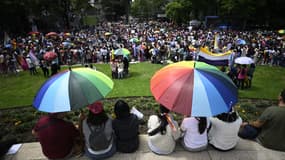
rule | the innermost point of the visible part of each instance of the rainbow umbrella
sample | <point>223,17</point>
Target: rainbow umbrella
<point>72,89</point>
<point>122,52</point>
<point>194,88</point>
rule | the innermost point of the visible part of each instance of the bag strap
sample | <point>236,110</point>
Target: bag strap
<point>92,130</point>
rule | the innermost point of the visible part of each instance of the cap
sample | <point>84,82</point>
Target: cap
<point>96,107</point>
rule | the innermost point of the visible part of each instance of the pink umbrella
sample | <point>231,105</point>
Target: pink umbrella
<point>51,34</point>
<point>49,56</point>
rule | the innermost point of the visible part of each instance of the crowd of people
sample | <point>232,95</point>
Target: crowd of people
<point>153,41</point>
<point>100,136</point>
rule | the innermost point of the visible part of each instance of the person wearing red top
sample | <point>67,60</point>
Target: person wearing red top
<point>56,135</point>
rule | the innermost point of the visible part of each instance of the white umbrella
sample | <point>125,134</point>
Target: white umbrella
<point>244,60</point>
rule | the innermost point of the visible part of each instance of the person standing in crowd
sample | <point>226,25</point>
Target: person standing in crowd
<point>223,133</point>
<point>126,66</point>
<point>120,66</point>
<point>269,128</point>
<point>250,75</point>
<point>44,67</point>
<point>54,67</point>
<point>31,65</point>
<point>194,131</point>
<point>114,69</point>
<point>242,73</point>
<point>58,138</point>
<point>163,131</point>
<point>126,127</point>
<point>97,132</point>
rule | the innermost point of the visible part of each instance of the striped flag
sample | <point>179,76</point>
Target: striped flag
<point>217,59</point>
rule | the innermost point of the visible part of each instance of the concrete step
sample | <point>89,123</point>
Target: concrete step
<point>245,150</point>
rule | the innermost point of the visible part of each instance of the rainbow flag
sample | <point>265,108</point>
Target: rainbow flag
<point>217,59</point>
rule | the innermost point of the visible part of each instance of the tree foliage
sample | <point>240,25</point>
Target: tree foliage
<point>20,15</point>
<point>146,9</point>
<point>179,11</point>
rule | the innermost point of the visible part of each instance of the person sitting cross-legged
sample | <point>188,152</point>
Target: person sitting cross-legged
<point>269,128</point>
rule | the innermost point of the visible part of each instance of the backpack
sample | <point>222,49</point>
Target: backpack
<point>98,139</point>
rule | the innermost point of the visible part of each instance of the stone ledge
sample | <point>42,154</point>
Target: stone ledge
<point>247,150</point>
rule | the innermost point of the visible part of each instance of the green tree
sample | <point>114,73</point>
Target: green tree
<point>174,11</point>
<point>240,10</point>
<point>179,11</point>
<point>146,9</point>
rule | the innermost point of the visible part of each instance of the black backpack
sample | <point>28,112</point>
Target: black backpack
<point>98,139</point>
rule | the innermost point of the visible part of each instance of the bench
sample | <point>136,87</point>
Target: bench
<point>245,150</point>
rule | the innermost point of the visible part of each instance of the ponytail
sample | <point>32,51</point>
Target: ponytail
<point>202,124</point>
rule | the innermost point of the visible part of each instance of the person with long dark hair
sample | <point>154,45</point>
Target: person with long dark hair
<point>126,127</point>
<point>195,133</point>
<point>223,133</point>
<point>162,132</point>
<point>98,133</point>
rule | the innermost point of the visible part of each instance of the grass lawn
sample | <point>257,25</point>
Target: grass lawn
<point>19,90</point>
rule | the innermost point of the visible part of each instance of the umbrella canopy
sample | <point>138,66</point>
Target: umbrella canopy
<point>66,44</point>
<point>34,33</point>
<point>122,52</point>
<point>244,60</point>
<point>281,31</point>
<point>134,40</point>
<point>194,88</point>
<point>240,42</point>
<point>51,34</point>
<point>67,34</point>
<point>72,89</point>
<point>49,56</point>
<point>108,33</point>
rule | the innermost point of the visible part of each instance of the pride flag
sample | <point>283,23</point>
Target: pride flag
<point>217,59</point>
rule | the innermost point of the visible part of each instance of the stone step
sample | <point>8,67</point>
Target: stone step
<point>245,150</point>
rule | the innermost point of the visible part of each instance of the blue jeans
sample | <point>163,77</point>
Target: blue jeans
<point>248,132</point>
<point>102,156</point>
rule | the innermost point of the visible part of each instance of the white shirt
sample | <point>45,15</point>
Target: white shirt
<point>192,138</point>
<point>224,135</point>
<point>162,144</point>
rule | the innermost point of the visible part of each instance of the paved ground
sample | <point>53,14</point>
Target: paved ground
<point>246,150</point>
